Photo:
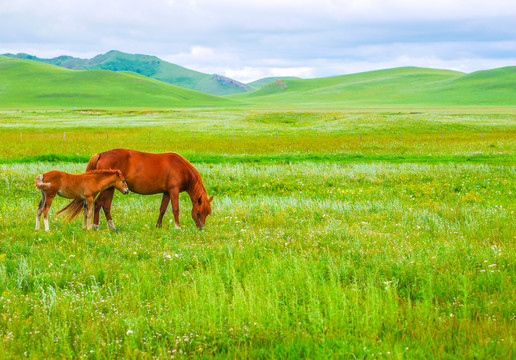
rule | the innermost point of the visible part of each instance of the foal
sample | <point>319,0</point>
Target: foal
<point>80,187</point>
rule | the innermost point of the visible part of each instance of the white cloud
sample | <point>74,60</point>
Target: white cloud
<point>248,74</point>
<point>246,39</point>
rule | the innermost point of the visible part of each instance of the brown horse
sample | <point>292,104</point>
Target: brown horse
<point>83,188</point>
<point>146,174</point>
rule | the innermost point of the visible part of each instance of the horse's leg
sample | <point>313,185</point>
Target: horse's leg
<point>89,212</point>
<point>40,209</point>
<point>174,199</point>
<point>46,206</point>
<point>104,201</point>
<point>163,208</point>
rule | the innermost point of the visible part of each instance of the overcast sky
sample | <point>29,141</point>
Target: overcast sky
<point>247,40</point>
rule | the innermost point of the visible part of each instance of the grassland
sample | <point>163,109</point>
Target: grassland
<point>336,234</point>
<point>251,135</point>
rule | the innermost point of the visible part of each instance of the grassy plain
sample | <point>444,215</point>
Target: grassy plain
<point>321,244</point>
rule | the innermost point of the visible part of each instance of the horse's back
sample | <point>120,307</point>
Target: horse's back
<point>146,173</point>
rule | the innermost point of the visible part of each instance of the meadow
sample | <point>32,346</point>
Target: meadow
<point>334,234</point>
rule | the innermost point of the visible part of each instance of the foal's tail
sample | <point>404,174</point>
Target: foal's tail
<point>40,184</point>
<point>74,207</point>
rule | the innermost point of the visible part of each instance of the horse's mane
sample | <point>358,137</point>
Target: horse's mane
<point>198,187</point>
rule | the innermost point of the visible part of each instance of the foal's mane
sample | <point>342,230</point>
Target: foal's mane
<point>103,171</point>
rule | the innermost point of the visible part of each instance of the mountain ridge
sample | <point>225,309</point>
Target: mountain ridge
<point>147,65</point>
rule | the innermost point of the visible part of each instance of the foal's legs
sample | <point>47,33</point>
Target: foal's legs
<point>163,208</point>
<point>48,201</point>
<point>104,201</point>
<point>85,218</point>
<point>40,209</point>
<point>89,212</point>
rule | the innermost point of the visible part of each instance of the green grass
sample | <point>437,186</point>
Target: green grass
<point>237,135</point>
<point>29,84</point>
<point>304,260</point>
<point>320,245</point>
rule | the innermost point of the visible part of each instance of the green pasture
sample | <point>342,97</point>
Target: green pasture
<point>237,135</point>
<point>334,234</point>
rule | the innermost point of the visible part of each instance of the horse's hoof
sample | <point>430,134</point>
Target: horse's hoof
<point>110,225</point>
<point>95,227</point>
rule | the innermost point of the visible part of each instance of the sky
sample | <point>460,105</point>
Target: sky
<point>249,40</point>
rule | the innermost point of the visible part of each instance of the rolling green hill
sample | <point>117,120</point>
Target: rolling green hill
<point>27,83</point>
<point>149,66</point>
<point>399,86</point>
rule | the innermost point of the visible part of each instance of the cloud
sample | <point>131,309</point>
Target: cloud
<point>246,39</point>
<point>248,74</point>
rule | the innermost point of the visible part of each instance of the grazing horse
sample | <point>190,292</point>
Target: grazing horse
<point>146,174</point>
<point>83,188</point>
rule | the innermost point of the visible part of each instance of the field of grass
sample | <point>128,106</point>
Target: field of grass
<point>333,235</point>
<point>252,135</point>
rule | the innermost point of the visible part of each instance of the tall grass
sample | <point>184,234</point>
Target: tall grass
<point>316,260</point>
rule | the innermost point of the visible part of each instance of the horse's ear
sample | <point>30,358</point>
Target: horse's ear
<point>210,199</point>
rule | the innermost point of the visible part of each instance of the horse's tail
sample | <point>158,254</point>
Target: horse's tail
<point>72,210</point>
<point>40,184</point>
<point>74,207</point>
<point>92,164</point>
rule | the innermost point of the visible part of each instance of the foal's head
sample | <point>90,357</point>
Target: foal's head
<point>120,183</point>
<point>201,209</point>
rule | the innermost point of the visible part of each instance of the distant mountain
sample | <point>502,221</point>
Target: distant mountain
<point>30,84</point>
<point>398,86</point>
<point>149,66</point>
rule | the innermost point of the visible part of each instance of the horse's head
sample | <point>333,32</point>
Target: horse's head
<point>120,183</point>
<point>201,209</point>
